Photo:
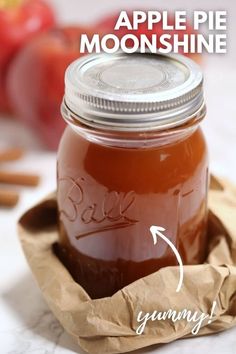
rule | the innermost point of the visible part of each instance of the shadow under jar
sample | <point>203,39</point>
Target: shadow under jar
<point>133,156</point>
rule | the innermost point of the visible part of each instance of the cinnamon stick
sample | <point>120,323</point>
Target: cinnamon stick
<point>21,179</point>
<point>8,199</point>
<point>11,154</point>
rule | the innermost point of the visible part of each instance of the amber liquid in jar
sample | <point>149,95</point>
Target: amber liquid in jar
<point>110,196</point>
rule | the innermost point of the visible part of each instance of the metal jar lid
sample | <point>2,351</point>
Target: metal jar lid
<point>133,92</point>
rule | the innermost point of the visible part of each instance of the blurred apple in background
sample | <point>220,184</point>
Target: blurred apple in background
<point>36,80</point>
<point>20,21</point>
<point>107,25</point>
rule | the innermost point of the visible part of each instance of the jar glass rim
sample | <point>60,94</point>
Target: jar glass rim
<point>133,139</point>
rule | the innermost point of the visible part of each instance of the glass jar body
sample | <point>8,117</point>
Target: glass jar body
<point>109,197</point>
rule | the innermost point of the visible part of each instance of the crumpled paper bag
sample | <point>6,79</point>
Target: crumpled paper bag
<point>109,325</point>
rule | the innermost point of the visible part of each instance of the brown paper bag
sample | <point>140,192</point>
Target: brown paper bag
<point>109,325</point>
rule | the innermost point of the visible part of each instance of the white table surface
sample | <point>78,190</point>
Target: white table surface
<point>26,323</point>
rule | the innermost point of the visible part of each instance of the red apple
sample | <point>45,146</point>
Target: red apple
<point>20,21</point>
<point>36,80</point>
<point>107,25</point>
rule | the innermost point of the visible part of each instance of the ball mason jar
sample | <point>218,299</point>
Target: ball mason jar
<point>133,156</point>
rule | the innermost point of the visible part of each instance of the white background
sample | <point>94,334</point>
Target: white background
<point>26,323</point>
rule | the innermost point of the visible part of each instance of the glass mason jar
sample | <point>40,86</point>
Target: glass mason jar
<point>133,156</point>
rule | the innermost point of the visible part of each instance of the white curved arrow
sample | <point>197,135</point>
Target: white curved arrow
<point>157,231</point>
